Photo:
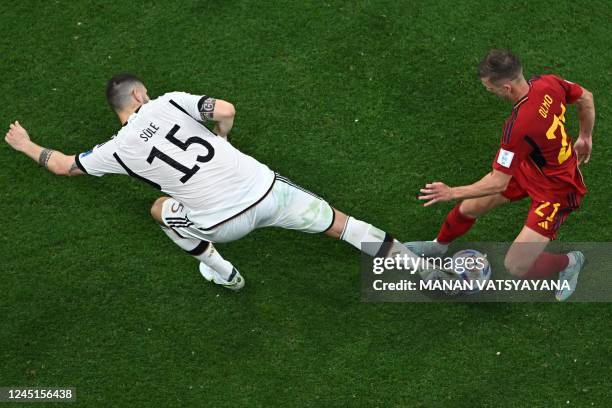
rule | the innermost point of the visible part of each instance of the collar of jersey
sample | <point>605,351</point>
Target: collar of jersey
<point>523,99</point>
<point>135,112</point>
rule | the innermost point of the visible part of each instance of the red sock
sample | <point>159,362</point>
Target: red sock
<point>546,265</point>
<point>455,225</point>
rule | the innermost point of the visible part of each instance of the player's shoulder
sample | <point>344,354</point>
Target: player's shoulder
<point>167,102</point>
<point>177,96</point>
<point>172,94</point>
<point>164,98</point>
<point>168,96</point>
<point>548,83</point>
<point>122,136</point>
<point>177,99</point>
<point>539,86</point>
<point>109,144</point>
<point>551,78</point>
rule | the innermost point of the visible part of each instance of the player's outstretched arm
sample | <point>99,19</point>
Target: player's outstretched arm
<point>54,161</point>
<point>220,111</point>
<point>586,117</point>
<point>493,183</point>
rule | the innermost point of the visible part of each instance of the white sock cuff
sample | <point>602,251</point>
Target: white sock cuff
<point>357,232</point>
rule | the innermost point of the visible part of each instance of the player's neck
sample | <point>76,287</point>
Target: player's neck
<point>521,89</point>
<point>125,114</point>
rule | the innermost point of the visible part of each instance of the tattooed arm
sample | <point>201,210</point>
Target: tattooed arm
<point>219,111</point>
<point>54,161</point>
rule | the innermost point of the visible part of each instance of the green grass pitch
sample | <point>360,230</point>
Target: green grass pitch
<point>360,101</point>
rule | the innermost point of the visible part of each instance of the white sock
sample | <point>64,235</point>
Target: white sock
<point>213,258</point>
<point>203,251</point>
<point>357,232</point>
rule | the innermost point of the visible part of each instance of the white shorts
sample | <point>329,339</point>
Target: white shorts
<point>286,205</point>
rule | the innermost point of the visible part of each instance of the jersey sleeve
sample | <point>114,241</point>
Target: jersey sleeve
<point>100,160</point>
<point>513,150</point>
<point>193,105</point>
<point>572,91</point>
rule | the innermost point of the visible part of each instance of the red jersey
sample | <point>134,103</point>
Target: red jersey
<point>535,147</point>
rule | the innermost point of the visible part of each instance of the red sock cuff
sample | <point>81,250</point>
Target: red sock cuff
<point>462,217</point>
<point>547,265</point>
<point>455,225</point>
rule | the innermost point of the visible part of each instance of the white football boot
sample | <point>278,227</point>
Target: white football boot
<point>236,281</point>
<point>570,275</point>
<point>426,248</point>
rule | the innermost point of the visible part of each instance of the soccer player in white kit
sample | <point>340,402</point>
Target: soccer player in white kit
<point>215,193</point>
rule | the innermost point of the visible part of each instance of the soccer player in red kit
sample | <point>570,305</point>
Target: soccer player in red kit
<point>536,159</point>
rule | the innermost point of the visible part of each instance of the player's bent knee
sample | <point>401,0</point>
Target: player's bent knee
<point>156,209</point>
<point>470,208</point>
<point>477,207</point>
<point>322,218</point>
<point>474,207</point>
<point>337,225</point>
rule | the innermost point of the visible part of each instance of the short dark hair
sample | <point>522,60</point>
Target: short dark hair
<point>119,89</point>
<point>500,65</point>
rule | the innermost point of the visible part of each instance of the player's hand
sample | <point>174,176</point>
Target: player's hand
<point>17,137</point>
<point>435,192</point>
<point>583,147</point>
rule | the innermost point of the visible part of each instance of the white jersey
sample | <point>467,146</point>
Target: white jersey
<point>165,145</point>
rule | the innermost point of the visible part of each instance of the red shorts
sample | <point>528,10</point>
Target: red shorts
<point>545,216</point>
